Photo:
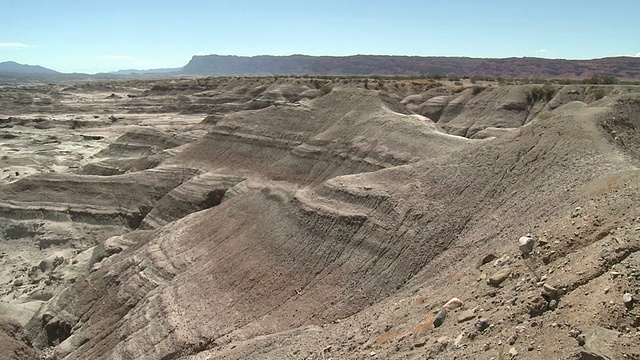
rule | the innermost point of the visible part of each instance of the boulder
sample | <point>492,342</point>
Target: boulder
<point>599,343</point>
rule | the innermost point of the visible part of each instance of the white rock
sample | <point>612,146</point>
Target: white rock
<point>525,244</point>
<point>453,304</point>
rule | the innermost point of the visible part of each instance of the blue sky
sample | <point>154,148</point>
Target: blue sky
<point>99,36</point>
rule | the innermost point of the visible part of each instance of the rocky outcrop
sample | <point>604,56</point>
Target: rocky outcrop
<point>200,192</point>
<point>15,342</point>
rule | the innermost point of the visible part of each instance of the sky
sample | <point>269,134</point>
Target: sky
<point>99,36</point>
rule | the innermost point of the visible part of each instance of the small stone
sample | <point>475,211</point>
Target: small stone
<point>627,299</point>
<point>525,244</point>
<point>486,347</point>
<point>553,304</point>
<point>453,304</point>
<point>420,343</point>
<point>531,348</point>
<point>482,325</point>
<point>466,315</point>
<point>512,339</point>
<point>513,351</point>
<point>581,339</point>
<point>486,259</point>
<point>549,291</point>
<point>439,319</point>
<point>443,339</point>
<point>500,276</point>
<point>503,260</point>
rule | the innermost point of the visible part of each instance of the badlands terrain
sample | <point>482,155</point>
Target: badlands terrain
<point>308,218</point>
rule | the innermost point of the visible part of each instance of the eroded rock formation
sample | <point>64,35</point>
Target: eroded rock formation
<point>337,224</point>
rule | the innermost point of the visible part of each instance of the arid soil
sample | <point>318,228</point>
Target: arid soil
<point>301,218</point>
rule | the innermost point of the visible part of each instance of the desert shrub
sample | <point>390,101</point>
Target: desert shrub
<point>477,89</point>
<point>598,93</point>
<point>537,93</point>
<point>545,115</point>
<point>600,79</point>
<point>476,78</point>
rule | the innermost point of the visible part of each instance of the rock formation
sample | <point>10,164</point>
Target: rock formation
<point>334,224</point>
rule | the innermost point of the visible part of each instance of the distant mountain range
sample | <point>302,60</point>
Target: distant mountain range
<point>13,68</point>
<point>621,67</point>
<point>626,68</point>
<point>150,71</point>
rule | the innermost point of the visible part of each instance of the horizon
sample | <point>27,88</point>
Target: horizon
<point>289,55</point>
<point>71,37</point>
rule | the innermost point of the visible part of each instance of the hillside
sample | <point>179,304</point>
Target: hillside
<point>302,218</point>
<point>218,65</point>
<point>13,68</point>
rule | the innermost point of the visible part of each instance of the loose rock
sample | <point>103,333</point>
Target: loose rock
<point>486,259</point>
<point>439,319</point>
<point>500,276</point>
<point>627,299</point>
<point>453,304</point>
<point>525,244</point>
<point>467,315</point>
<point>598,344</point>
<point>549,291</point>
<point>482,325</point>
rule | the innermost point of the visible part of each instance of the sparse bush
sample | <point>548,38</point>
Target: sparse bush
<point>545,92</point>
<point>598,94</point>
<point>545,115</point>
<point>477,89</point>
<point>454,77</point>
<point>600,79</point>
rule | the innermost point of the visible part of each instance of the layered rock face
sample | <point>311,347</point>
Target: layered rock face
<point>309,227</point>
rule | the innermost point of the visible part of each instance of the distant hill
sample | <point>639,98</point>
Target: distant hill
<point>13,68</point>
<point>221,65</point>
<point>143,72</point>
